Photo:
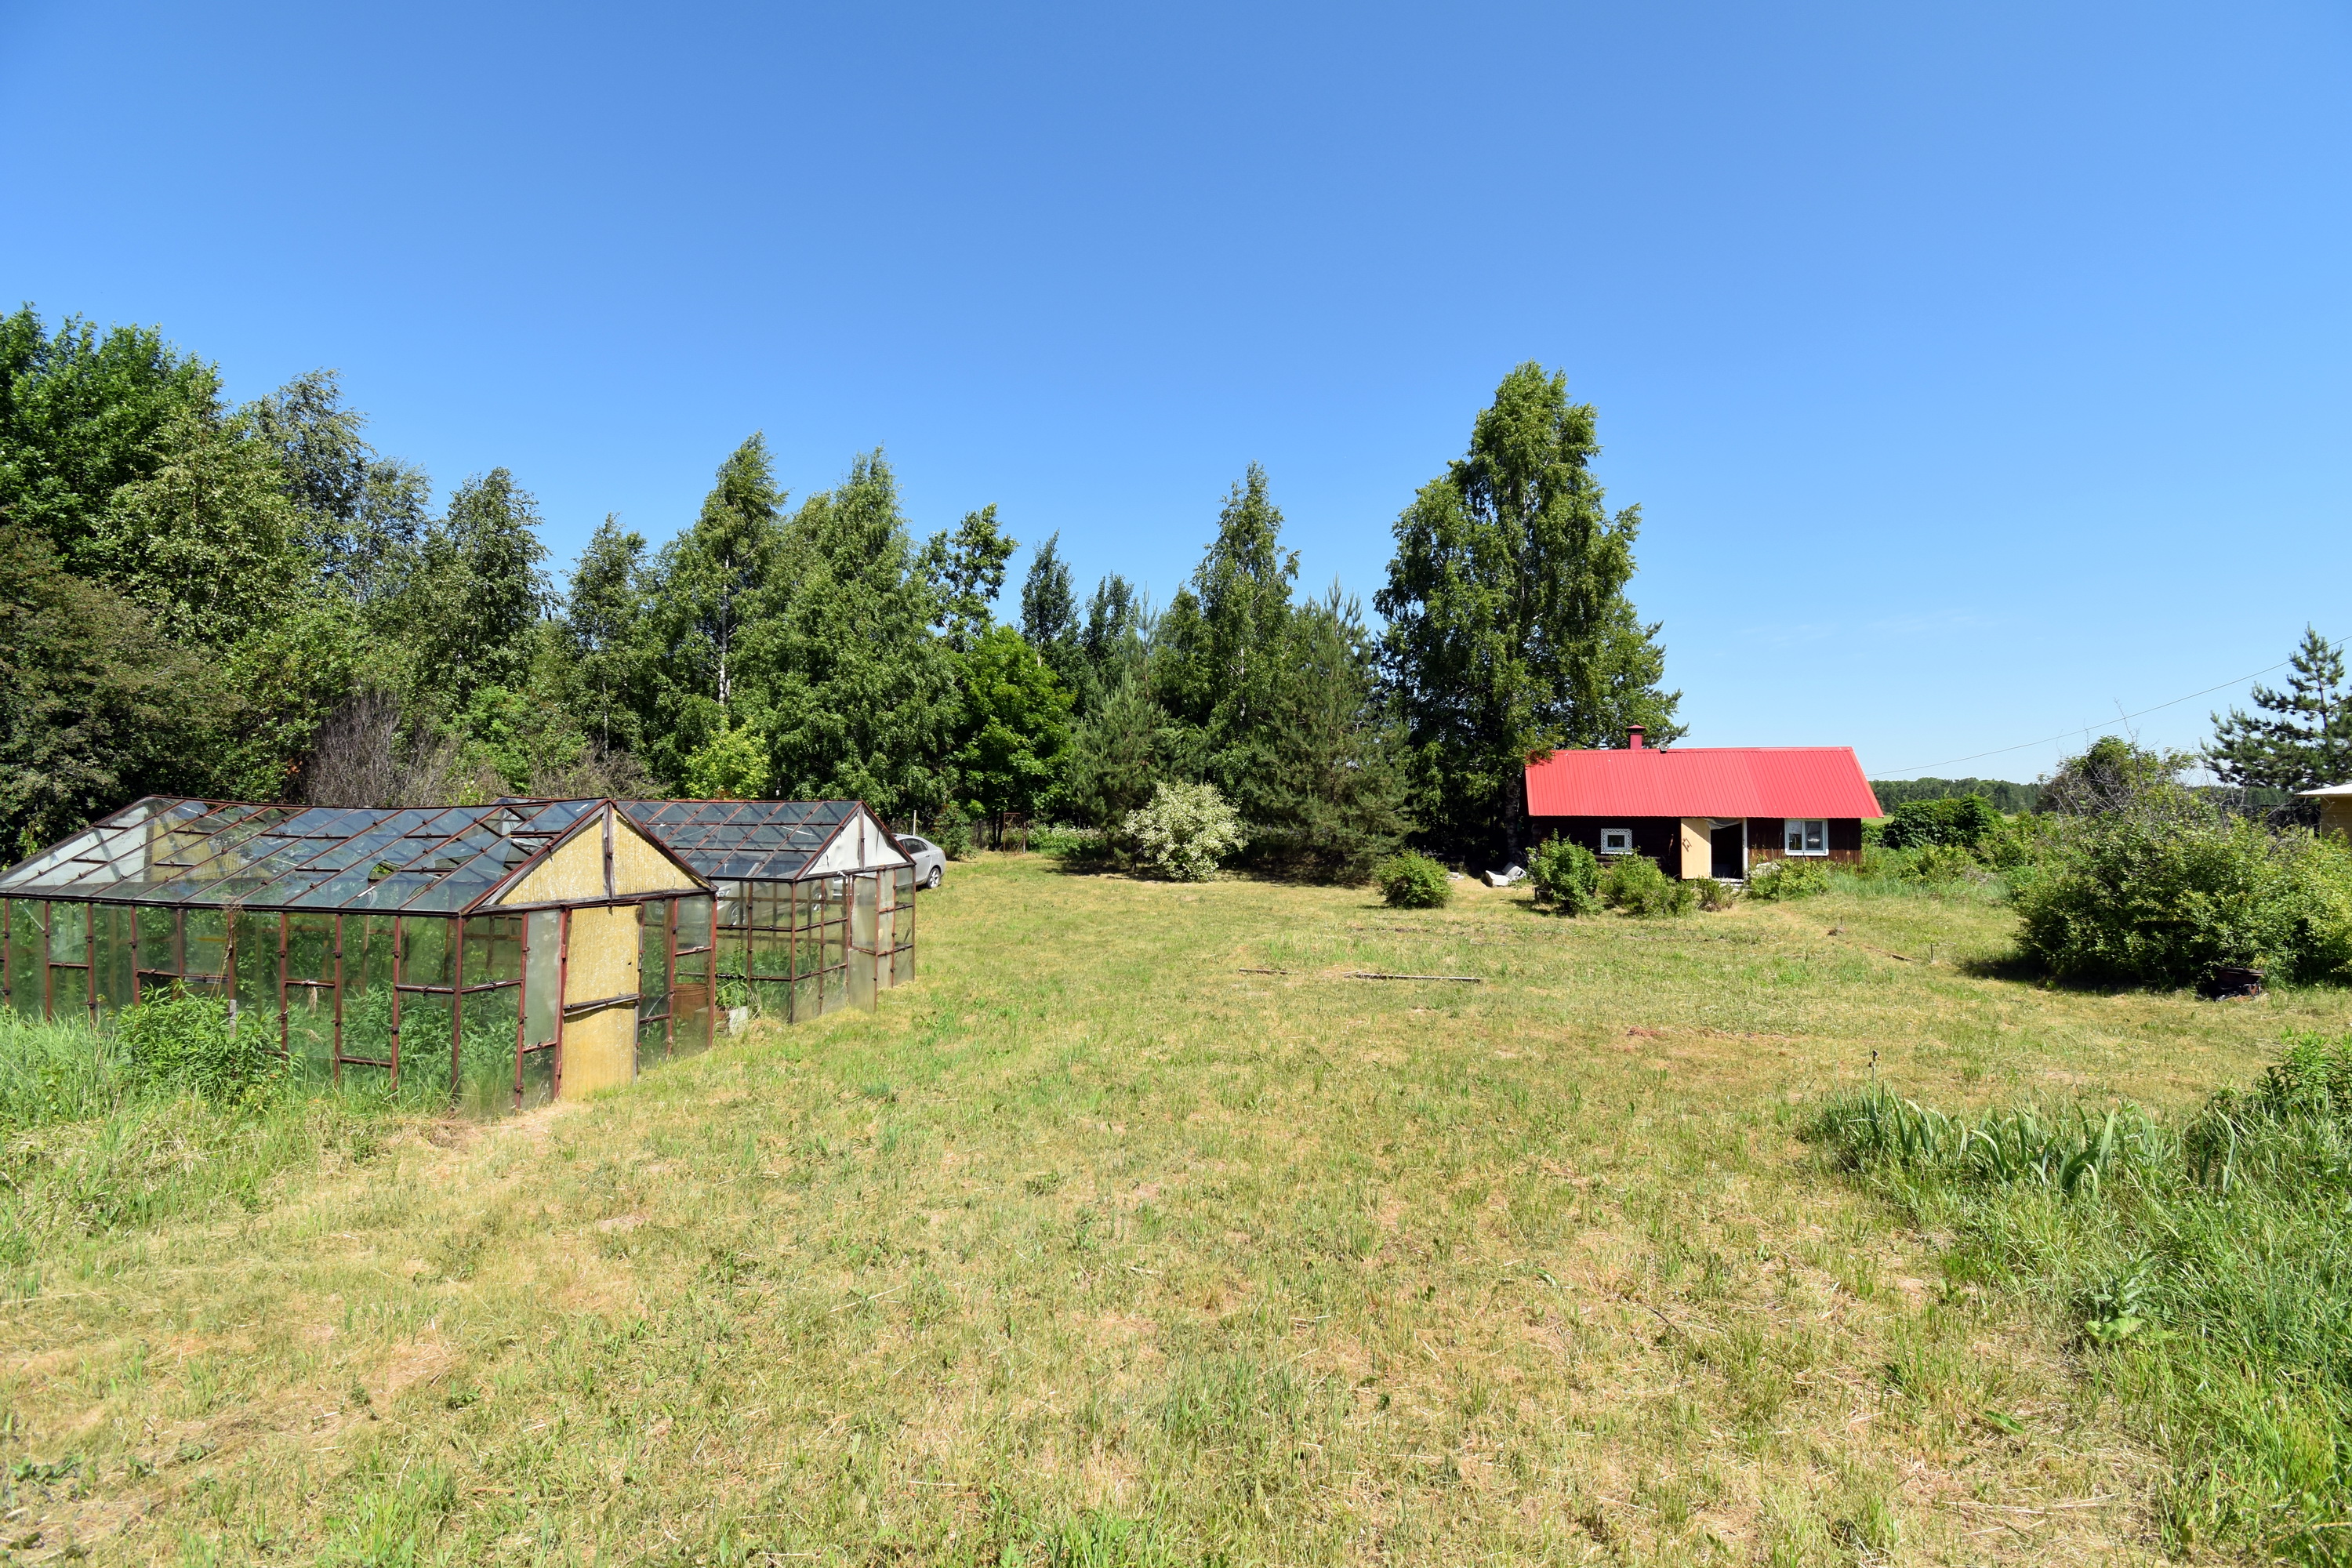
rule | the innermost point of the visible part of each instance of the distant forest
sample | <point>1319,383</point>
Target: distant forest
<point>2006,797</point>
<point>251,601</point>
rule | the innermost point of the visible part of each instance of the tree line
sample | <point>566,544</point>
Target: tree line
<point>251,601</point>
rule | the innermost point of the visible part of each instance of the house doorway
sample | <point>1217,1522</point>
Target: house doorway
<point>1727,845</point>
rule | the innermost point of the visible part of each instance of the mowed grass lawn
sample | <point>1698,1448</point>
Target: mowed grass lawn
<point>1093,1247</point>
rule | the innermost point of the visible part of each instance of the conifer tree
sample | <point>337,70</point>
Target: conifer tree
<point>2297,739</point>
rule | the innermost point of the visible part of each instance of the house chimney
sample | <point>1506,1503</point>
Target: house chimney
<point>1632,737</point>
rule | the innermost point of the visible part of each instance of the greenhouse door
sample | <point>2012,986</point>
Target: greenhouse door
<point>600,1000</point>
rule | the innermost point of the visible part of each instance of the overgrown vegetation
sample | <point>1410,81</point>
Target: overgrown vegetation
<point>1635,884</point>
<point>2201,1262</point>
<point>2145,882</point>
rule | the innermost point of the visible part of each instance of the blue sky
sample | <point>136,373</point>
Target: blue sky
<point>1982,373</point>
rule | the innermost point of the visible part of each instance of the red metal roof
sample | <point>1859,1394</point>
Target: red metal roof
<point>1702,780</point>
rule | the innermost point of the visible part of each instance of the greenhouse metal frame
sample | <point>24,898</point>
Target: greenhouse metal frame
<point>815,900</point>
<point>497,955</point>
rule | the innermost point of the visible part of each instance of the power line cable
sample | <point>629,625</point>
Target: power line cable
<point>2337,646</point>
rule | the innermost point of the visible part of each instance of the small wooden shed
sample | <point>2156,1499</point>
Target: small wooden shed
<point>488,955</point>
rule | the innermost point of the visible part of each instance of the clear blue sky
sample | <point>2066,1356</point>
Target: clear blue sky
<point>1978,370</point>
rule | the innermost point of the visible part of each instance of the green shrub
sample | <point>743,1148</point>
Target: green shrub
<point>1937,864</point>
<point>2201,1262</point>
<point>1714,895</point>
<point>1184,832</point>
<point>1076,845</point>
<point>1412,881</point>
<point>1796,877</point>
<point>1966,821</point>
<point>1634,884</point>
<point>2165,900</point>
<point>1567,875</point>
<point>188,1042</point>
<point>951,831</point>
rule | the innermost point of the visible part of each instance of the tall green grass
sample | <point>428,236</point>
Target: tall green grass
<point>99,1130</point>
<point>2205,1268</point>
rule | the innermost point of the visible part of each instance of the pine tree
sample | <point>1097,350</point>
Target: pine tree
<point>2306,741</point>
<point>1509,629</point>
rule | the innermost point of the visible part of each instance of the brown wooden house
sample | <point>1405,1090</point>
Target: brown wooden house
<point>1704,811</point>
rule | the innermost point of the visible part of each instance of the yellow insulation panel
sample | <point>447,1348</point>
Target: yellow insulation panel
<point>600,1048</point>
<point>576,870</point>
<point>639,868</point>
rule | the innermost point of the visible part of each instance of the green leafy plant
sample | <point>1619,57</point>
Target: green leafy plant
<point>1790,879</point>
<point>1567,876</point>
<point>1073,844</point>
<point>951,831</point>
<point>186,1042</point>
<point>2165,899</point>
<point>1634,884</point>
<point>1714,895</point>
<point>1413,881</point>
<point>1965,821</point>
<point>1185,831</point>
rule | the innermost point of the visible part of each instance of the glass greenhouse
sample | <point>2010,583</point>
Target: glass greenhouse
<point>817,901</point>
<point>492,955</point>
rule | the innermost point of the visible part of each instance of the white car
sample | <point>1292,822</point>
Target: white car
<point>930,860</point>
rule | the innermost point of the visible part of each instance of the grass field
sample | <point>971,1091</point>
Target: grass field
<point>1096,1247</point>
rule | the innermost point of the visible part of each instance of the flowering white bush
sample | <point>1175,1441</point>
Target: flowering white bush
<point>1184,832</point>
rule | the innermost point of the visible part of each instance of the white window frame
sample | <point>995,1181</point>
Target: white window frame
<point>1623,835</point>
<point>1794,832</point>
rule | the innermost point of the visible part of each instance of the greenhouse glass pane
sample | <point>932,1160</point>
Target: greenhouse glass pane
<point>311,947</point>
<point>311,1031</point>
<point>694,922</point>
<point>367,991</point>
<point>254,940</point>
<point>159,939</point>
<point>25,947</point>
<point>424,951</point>
<point>493,949</point>
<point>117,989</point>
<point>423,1046</point>
<point>486,1084</point>
<point>542,993</point>
<point>68,933</point>
<point>203,947</point>
<point>689,1005</point>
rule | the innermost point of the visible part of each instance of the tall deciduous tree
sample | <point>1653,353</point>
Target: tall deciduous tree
<point>362,513</point>
<point>1510,632</point>
<point>1049,614</point>
<point>80,414</point>
<point>2297,739</point>
<point>966,571</point>
<point>605,621</point>
<point>1016,723</point>
<point>477,591</point>
<point>859,696</point>
<point>96,706</point>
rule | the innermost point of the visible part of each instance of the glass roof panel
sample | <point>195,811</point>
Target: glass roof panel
<point>173,850</point>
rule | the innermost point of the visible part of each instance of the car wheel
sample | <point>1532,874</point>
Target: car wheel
<point>933,879</point>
